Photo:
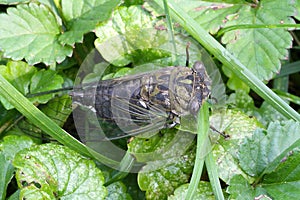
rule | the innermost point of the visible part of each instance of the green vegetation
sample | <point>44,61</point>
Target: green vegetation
<point>253,44</point>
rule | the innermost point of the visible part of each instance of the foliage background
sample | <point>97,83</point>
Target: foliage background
<point>44,42</point>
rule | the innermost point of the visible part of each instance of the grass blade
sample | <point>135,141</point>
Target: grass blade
<point>202,138</point>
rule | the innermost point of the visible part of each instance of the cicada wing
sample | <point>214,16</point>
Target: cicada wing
<point>128,122</point>
<point>123,103</point>
<point>117,112</point>
<point>134,119</point>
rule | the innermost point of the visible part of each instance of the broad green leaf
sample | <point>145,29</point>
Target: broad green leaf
<point>203,191</point>
<point>117,191</point>
<point>27,80</point>
<point>82,16</point>
<point>44,80</point>
<point>209,14</point>
<point>162,182</point>
<point>269,114</point>
<point>262,153</point>
<point>240,189</point>
<point>124,31</point>
<point>9,147</point>
<point>159,148</point>
<point>242,100</point>
<point>122,17</point>
<point>234,82</point>
<point>58,109</point>
<point>261,49</point>
<point>30,32</point>
<point>284,182</point>
<point>18,74</point>
<point>12,144</point>
<point>237,126</point>
<point>6,174</point>
<point>133,2</point>
<point>133,36</point>
<point>53,171</point>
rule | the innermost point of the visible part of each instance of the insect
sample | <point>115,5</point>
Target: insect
<point>147,102</point>
<point>142,103</point>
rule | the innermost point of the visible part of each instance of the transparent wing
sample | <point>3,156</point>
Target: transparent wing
<point>117,110</point>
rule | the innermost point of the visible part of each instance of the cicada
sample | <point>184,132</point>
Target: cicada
<point>147,102</point>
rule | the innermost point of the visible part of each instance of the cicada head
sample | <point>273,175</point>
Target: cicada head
<point>201,87</point>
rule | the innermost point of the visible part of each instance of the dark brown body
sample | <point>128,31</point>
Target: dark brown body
<point>163,96</point>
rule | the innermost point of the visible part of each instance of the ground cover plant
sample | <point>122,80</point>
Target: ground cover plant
<point>250,51</point>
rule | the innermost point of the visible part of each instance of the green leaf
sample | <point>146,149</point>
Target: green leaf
<point>27,80</point>
<point>204,191</point>
<point>18,74</point>
<point>262,153</point>
<point>234,82</point>
<point>121,34</point>
<point>54,171</point>
<point>30,32</point>
<point>9,147</point>
<point>12,144</point>
<point>117,191</point>
<point>132,36</point>
<point>44,80</point>
<point>162,182</point>
<point>159,148</point>
<point>210,14</point>
<point>6,174</point>
<point>82,16</point>
<point>58,109</point>
<point>284,182</point>
<point>261,49</point>
<point>242,100</point>
<point>238,126</point>
<point>269,114</point>
<point>239,188</point>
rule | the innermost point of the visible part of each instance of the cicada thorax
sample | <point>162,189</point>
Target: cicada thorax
<point>180,90</point>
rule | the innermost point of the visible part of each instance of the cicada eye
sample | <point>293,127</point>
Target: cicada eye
<point>194,106</point>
